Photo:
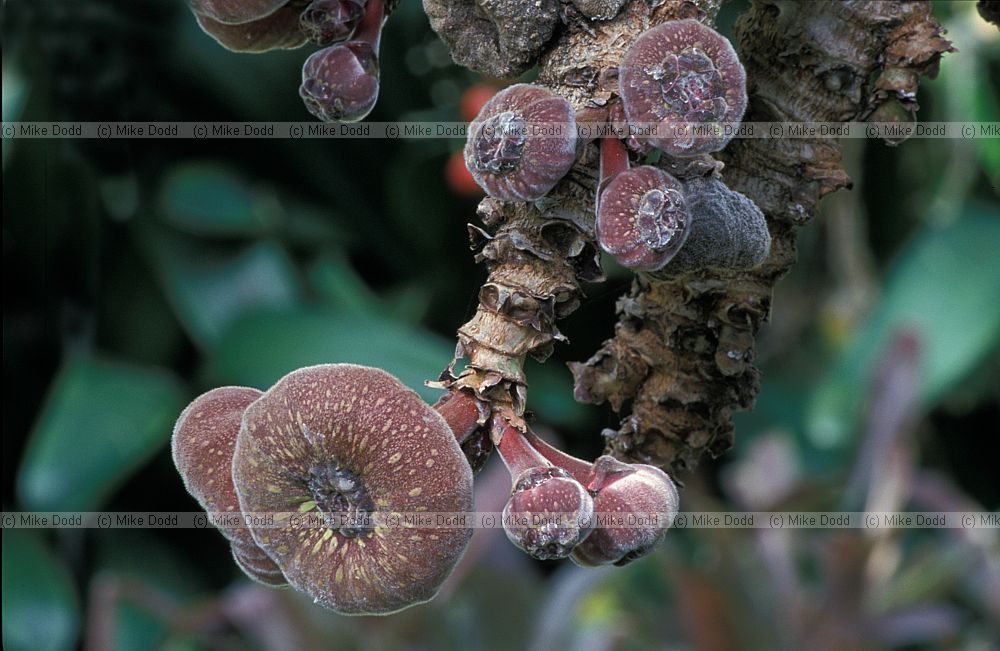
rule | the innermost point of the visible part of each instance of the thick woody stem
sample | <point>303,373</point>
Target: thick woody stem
<point>539,253</point>
<point>683,349</point>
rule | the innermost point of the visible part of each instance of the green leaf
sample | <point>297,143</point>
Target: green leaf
<point>209,199</point>
<point>945,289</point>
<point>101,420</point>
<point>263,347</point>
<point>209,287</point>
<point>40,609</point>
<point>147,564</point>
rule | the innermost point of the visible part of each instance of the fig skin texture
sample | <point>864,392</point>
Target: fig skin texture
<point>339,438</point>
<point>622,491</point>
<point>235,12</point>
<point>642,218</point>
<point>503,156</point>
<point>278,31</point>
<point>202,447</point>
<point>682,71</point>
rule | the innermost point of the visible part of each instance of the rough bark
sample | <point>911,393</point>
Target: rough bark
<point>683,351</point>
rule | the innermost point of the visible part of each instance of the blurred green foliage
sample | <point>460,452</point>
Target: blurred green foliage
<point>140,273</point>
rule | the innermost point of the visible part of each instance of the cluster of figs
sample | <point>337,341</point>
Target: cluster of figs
<point>316,480</point>
<point>340,82</point>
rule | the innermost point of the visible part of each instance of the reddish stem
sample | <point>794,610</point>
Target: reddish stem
<point>580,469</point>
<point>614,161</point>
<point>514,449</point>
<point>370,28</point>
<point>461,411</point>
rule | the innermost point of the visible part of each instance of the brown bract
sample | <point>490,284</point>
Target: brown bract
<point>642,218</point>
<point>522,143</point>
<point>202,445</point>
<point>683,73</point>
<point>236,11</point>
<point>350,446</point>
<point>278,31</point>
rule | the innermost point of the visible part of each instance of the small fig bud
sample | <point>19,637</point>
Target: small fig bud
<point>548,513</point>
<point>641,497</point>
<point>340,83</point>
<point>277,31</point>
<point>728,230</point>
<point>236,11</point>
<point>683,72</point>
<point>202,446</point>
<point>642,218</point>
<point>352,446</point>
<point>505,155</point>
<point>325,22</point>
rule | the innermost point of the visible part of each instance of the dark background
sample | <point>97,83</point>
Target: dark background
<point>140,273</point>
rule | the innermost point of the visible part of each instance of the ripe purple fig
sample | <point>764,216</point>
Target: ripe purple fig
<point>277,31</point>
<point>202,445</point>
<point>350,447</point>
<point>341,83</point>
<point>642,218</point>
<point>678,73</point>
<point>635,505</point>
<point>549,512</point>
<point>236,11</point>
<point>325,22</point>
<point>522,143</point>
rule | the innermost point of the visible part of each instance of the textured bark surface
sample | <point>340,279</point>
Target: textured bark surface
<point>683,351</point>
<point>538,253</point>
<point>681,357</point>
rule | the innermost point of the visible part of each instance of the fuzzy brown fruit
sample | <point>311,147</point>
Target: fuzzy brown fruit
<point>277,31</point>
<point>678,73</point>
<point>236,11</point>
<point>504,155</point>
<point>352,446</point>
<point>202,446</point>
<point>642,218</point>
<point>640,498</point>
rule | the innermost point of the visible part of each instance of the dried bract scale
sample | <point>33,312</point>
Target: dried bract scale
<point>202,446</point>
<point>641,498</point>
<point>325,22</point>
<point>236,11</point>
<point>334,451</point>
<point>642,219</point>
<point>522,143</point>
<point>548,513</point>
<point>728,231</point>
<point>340,83</point>
<point>682,72</point>
<point>278,31</point>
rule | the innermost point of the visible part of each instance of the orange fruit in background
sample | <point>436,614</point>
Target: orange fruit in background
<point>458,177</point>
<point>473,98</point>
